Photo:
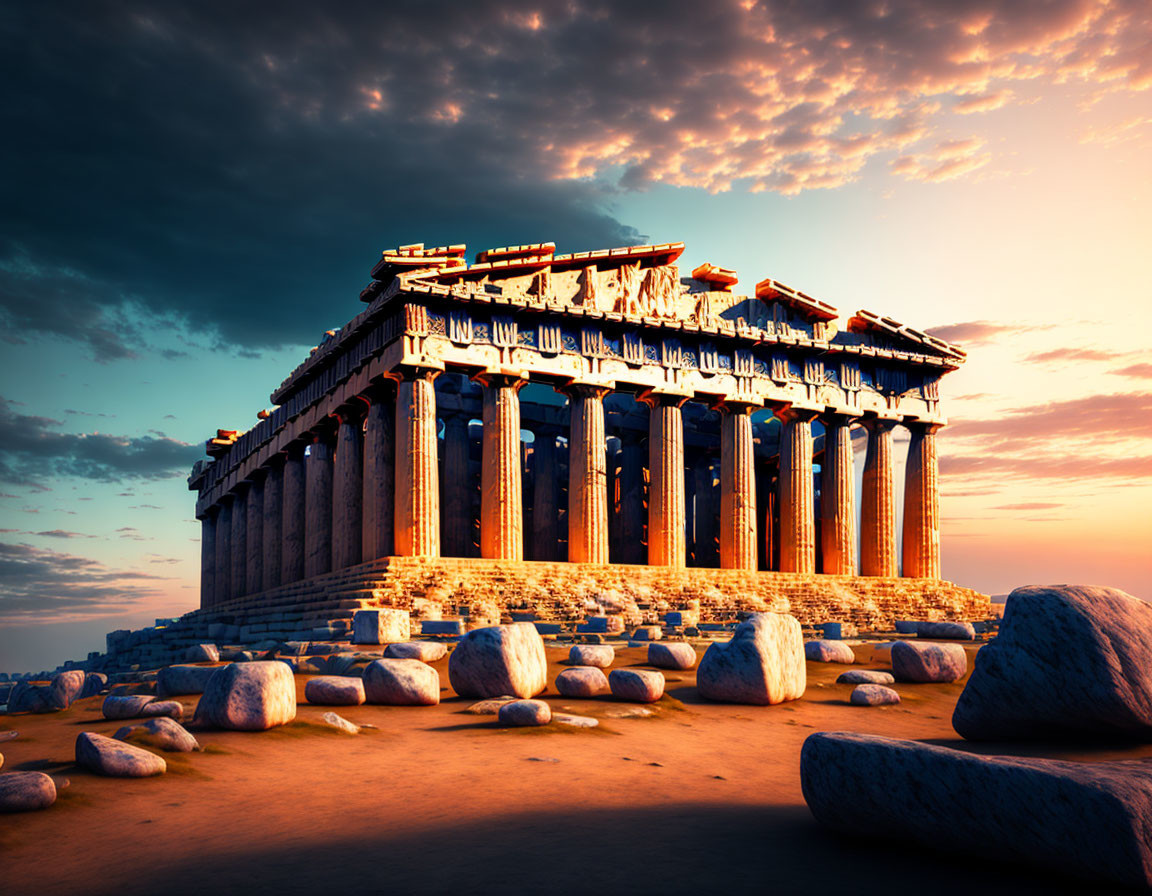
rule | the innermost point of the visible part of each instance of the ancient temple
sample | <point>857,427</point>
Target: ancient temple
<point>597,409</point>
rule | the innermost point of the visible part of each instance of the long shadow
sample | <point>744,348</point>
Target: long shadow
<point>676,848</point>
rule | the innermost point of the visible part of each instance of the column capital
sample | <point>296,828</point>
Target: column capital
<point>791,413</point>
<point>840,417</point>
<point>662,398</point>
<point>871,422</point>
<point>353,411</point>
<point>427,369</point>
<point>736,405</point>
<point>501,377</point>
<point>584,389</point>
<point>928,427</point>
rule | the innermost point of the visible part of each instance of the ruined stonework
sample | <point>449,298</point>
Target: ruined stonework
<point>479,424</point>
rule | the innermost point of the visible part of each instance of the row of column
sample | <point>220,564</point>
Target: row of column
<point>372,488</point>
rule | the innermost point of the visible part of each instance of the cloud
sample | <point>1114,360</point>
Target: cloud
<point>1097,418</point>
<point>60,533</point>
<point>1041,466</point>
<point>1136,371</point>
<point>31,450</point>
<point>241,169</point>
<point>1028,505</point>
<point>976,332</point>
<point>1061,355</point>
<point>38,585</point>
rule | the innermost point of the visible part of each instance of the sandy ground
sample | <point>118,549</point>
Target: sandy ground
<point>697,797</point>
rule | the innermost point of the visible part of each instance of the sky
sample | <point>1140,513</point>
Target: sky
<point>194,192</point>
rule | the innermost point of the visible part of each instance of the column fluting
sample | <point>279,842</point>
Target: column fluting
<point>587,476</point>
<point>457,520</point>
<point>318,506</point>
<point>223,589</point>
<point>348,488</point>
<point>293,502</point>
<point>921,536</point>
<point>838,498</point>
<point>417,493</point>
<point>239,544</point>
<point>737,489</point>
<point>254,565</point>
<point>208,558</point>
<point>273,522</point>
<point>797,500</point>
<point>378,502</point>
<point>666,481</point>
<point>877,502</point>
<point>501,486</point>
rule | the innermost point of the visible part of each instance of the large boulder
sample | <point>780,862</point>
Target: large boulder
<point>499,660</point>
<point>955,631</point>
<point>671,655</point>
<point>865,676</point>
<point>600,655</point>
<point>65,688</point>
<point>94,683</point>
<point>173,709</point>
<point>524,714</point>
<point>174,681</point>
<point>128,706</point>
<point>202,653</point>
<point>163,732</point>
<point>873,695</point>
<point>827,651</point>
<point>381,626</point>
<point>1069,660</point>
<point>928,662</point>
<point>334,690</point>
<point>988,807</point>
<point>249,697</point>
<point>425,651</point>
<point>401,683</point>
<point>26,791</point>
<point>636,685</point>
<point>582,681</point>
<point>762,664</point>
<point>30,697</point>
<point>116,759</point>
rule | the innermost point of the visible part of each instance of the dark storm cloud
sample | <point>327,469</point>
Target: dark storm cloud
<point>237,169</point>
<point>32,450</point>
<point>41,585</point>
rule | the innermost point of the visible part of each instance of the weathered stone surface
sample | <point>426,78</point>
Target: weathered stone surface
<point>334,690</point>
<point>94,683</point>
<point>249,697</point>
<point>30,697</point>
<point>525,713</point>
<point>564,718</point>
<point>401,683</point>
<point>106,756</point>
<point>600,655</point>
<point>827,651</point>
<point>648,633</point>
<point>956,631</point>
<point>381,626</point>
<point>636,685</point>
<point>65,687</point>
<point>988,807</point>
<point>873,695</point>
<point>928,662</point>
<point>332,720</point>
<point>130,706</point>
<point>582,681</point>
<point>489,707</point>
<point>172,709</point>
<point>762,664</point>
<point>1069,660</point>
<point>26,791</point>
<point>202,653</point>
<point>671,655</point>
<point>173,681</point>
<point>865,676</point>
<point>501,659</point>
<point>163,732</point>
<point>425,651</point>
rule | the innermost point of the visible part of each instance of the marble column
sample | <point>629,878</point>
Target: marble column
<point>545,496</point>
<point>254,565</point>
<point>922,503</point>
<point>223,589</point>
<point>877,503</point>
<point>208,558</point>
<point>417,492</point>
<point>501,491</point>
<point>273,522</point>
<point>239,544</point>
<point>348,488</point>
<point>838,498</point>
<point>587,476</point>
<point>293,502</point>
<point>797,502</point>
<point>666,481</point>
<point>457,521</point>
<point>318,506</point>
<point>379,474</point>
<point>632,517</point>
<point>704,512</point>
<point>737,489</point>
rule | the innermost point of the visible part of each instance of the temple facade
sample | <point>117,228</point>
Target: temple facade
<point>596,408</point>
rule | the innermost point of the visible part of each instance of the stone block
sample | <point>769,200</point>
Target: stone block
<point>441,627</point>
<point>381,626</point>
<point>763,664</point>
<point>499,660</point>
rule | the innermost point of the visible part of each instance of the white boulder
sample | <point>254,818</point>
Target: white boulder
<point>636,685</point>
<point>763,664</point>
<point>499,660</point>
<point>334,690</point>
<point>249,697</point>
<point>106,756</point>
<point>600,655</point>
<point>401,683</point>
<point>582,681</point>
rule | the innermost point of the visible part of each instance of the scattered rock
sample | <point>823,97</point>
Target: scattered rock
<point>673,655</point>
<point>26,791</point>
<point>988,807</point>
<point>334,690</point>
<point>647,633</point>
<point>956,631</point>
<point>501,659</point>
<point>425,651</point>
<point>1069,660</point>
<point>94,683</point>
<point>873,695</point>
<point>8,735</point>
<point>865,676</point>
<point>168,735</point>
<point>130,706</point>
<point>401,683</point>
<point>173,709</point>
<point>825,651</point>
<point>525,714</point>
<point>563,718</point>
<point>636,685</point>
<point>65,688</point>
<point>174,681</point>
<point>202,653</point>
<point>928,662</point>
<point>381,626</point>
<point>489,707</point>
<point>638,712</point>
<point>582,681</point>
<point>248,697</point>
<point>599,655</point>
<point>762,664</point>
<point>339,723</point>
<point>106,756</point>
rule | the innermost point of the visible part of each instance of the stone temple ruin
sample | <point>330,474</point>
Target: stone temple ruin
<point>567,435</point>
